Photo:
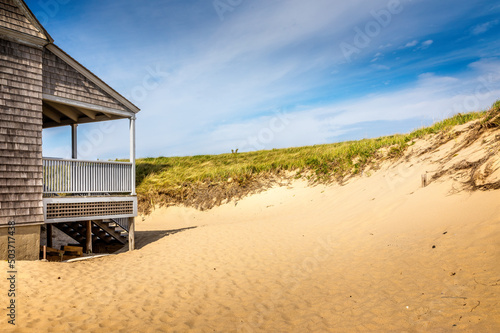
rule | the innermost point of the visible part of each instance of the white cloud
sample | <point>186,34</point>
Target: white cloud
<point>411,44</point>
<point>414,43</point>
<point>432,97</point>
<point>377,57</point>
<point>226,79</point>
<point>482,28</point>
<point>380,67</point>
<point>381,47</point>
<point>426,44</point>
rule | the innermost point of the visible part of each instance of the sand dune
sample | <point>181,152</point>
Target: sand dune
<point>379,254</point>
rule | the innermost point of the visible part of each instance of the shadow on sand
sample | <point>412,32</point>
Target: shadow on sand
<point>143,238</point>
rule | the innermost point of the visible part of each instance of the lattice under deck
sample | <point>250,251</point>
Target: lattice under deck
<point>84,209</point>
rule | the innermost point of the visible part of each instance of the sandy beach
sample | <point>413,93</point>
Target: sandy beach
<point>379,254</point>
<point>297,166</point>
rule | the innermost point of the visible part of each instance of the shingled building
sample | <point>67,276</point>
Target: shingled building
<point>42,87</point>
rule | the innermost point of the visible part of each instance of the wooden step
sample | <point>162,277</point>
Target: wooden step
<point>107,231</point>
<point>71,231</point>
<point>104,225</point>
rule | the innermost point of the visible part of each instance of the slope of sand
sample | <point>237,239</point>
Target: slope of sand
<point>379,254</point>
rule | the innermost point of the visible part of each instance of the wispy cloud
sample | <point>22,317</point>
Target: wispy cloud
<point>484,27</point>
<point>415,44</point>
<point>380,67</point>
<point>426,44</point>
<point>411,44</point>
<point>430,99</point>
<point>377,57</point>
<point>223,82</point>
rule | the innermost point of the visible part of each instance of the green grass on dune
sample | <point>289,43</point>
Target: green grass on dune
<point>166,177</point>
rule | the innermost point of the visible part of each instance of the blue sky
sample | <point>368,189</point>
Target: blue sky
<point>211,76</point>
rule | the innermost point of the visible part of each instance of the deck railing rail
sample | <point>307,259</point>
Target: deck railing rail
<point>79,177</point>
<point>123,223</point>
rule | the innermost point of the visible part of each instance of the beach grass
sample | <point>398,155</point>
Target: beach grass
<point>329,159</point>
<point>176,179</point>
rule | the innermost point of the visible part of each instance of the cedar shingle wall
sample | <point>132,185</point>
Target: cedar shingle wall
<point>21,183</point>
<point>62,80</point>
<point>11,17</point>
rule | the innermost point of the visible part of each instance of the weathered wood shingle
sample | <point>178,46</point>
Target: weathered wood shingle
<point>11,17</point>
<point>21,182</point>
<point>62,80</point>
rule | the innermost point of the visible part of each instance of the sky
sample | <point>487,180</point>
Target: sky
<point>212,76</point>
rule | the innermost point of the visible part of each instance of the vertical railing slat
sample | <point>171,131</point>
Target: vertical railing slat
<point>72,176</point>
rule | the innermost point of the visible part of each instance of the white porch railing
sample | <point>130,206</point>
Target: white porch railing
<point>123,223</point>
<point>77,176</point>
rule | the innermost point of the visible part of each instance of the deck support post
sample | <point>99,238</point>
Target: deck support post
<point>131,220</point>
<point>89,237</point>
<point>74,141</point>
<point>131,234</point>
<point>49,235</point>
<point>132,153</point>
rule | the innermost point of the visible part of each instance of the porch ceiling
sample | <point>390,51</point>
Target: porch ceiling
<point>62,112</point>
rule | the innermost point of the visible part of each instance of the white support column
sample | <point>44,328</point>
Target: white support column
<point>74,141</point>
<point>132,152</point>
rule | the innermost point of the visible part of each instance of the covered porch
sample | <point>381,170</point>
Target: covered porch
<point>88,200</point>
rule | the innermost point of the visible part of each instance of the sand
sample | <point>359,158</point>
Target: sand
<point>379,254</point>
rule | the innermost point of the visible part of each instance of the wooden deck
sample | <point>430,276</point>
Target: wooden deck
<point>73,209</point>
<point>76,190</point>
